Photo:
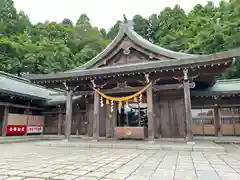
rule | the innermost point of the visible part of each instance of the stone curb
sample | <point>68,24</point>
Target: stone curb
<point>11,139</point>
<point>182,147</point>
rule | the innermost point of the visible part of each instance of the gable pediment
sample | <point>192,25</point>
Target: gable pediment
<point>128,52</point>
<point>133,56</point>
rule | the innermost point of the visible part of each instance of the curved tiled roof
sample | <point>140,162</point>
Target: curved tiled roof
<point>16,85</point>
<point>145,66</point>
<point>127,29</point>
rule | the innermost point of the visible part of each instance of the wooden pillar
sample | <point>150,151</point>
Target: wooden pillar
<point>114,119</point>
<point>188,108</point>
<point>68,121</point>
<point>217,121</point>
<point>5,120</point>
<point>150,114</point>
<point>60,119</point>
<point>96,117</point>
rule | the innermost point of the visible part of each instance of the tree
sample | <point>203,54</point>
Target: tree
<point>103,33</point>
<point>8,17</point>
<point>171,26</point>
<point>83,20</point>
<point>52,47</point>
<point>23,22</point>
<point>142,26</point>
<point>67,22</point>
<point>112,33</point>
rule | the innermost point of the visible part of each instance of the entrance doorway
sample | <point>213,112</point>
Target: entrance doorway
<point>133,115</point>
<point>132,121</point>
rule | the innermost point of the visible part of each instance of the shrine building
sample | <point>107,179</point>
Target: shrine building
<point>133,89</point>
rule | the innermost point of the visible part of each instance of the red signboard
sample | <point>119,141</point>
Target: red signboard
<point>14,130</point>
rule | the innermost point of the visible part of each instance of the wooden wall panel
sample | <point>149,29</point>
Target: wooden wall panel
<point>166,126</point>
<point>102,121</point>
<point>51,124</point>
<point>1,118</point>
<point>89,111</point>
<point>111,119</point>
<point>107,120</point>
<point>109,129</point>
<point>35,120</point>
<point>75,126</point>
<point>157,117</point>
<point>169,117</point>
<point>179,117</point>
<point>79,122</point>
<point>63,124</point>
<point>17,119</point>
<point>83,124</point>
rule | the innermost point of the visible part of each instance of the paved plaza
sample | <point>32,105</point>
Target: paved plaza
<point>28,161</point>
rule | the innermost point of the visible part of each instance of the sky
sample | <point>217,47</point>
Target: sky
<point>103,13</point>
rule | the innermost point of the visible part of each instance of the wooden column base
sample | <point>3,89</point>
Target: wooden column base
<point>189,137</point>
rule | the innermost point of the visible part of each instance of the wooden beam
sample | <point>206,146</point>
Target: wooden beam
<point>135,89</point>
<point>188,109</point>
<point>5,120</point>
<point>211,102</point>
<point>20,106</point>
<point>96,117</point>
<point>150,114</point>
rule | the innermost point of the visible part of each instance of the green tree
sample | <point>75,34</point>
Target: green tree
<point>112,33</point>
<point>67,22</point>
<point>142,26</point>
<point>8,17</point>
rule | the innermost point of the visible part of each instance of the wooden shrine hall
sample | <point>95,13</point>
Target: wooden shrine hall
<point>133,74</point>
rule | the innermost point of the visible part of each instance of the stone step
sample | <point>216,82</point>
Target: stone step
<point>168,146</point>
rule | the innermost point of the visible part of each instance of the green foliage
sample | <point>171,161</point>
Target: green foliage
<point>52,47</point>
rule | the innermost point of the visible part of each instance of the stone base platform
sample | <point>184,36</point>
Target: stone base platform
<point>199,146</point>
<point>19,139</point>
<point>220,139</point>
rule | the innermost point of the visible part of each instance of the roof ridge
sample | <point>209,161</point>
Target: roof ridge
<point>12,76</point>
<point>157,48</point>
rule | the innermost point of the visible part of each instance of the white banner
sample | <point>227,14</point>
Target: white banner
<point>34,129</point>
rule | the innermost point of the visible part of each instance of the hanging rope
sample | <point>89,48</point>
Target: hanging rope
<point>126,98</point>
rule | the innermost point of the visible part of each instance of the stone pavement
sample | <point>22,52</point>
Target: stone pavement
<point>31,162</point>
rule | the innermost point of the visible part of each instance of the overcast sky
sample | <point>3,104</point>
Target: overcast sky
<point>103,13</point>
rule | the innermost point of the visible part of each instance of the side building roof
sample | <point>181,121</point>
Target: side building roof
<point>226,86</point>
<point>15,85</point>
